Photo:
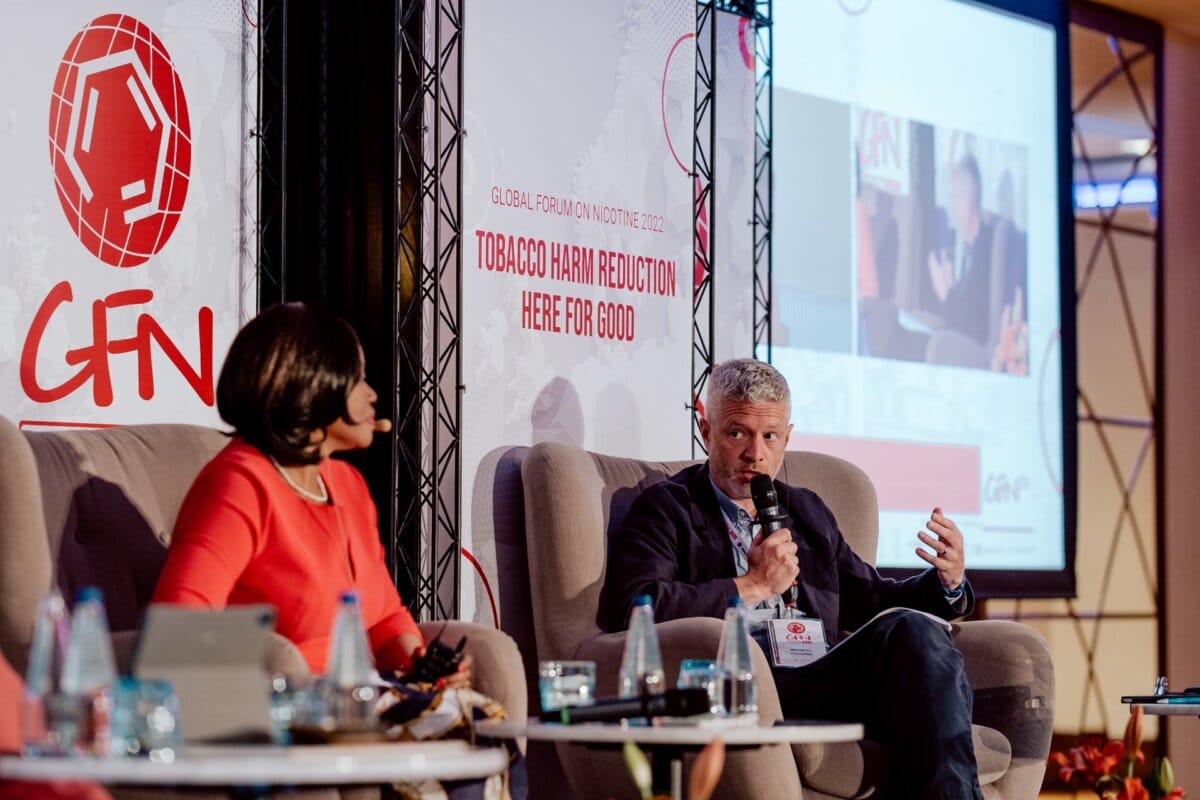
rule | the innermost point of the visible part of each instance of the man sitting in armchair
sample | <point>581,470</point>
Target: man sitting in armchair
<point>689,542</point>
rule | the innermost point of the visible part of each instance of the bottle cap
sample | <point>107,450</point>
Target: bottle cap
<point>348,596</point>
<point>88,594</point>
<point>736,601</point>
<point>643,600</point>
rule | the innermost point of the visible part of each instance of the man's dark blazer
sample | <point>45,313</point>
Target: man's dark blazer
<point>967,307</point>
<point>674,545</point>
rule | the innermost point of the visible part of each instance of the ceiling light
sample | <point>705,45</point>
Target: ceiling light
<point>1135,147</point>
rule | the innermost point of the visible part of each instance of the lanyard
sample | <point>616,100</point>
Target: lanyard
<point>738,543</point>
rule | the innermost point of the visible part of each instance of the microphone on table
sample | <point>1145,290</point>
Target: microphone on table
<point>383,425</point>
<point>671,703</point>
<point>771,517</point>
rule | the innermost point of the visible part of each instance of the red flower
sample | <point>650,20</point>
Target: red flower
<point>1133,790</point>
<point>1133,730</point>
<point>1089,760</point>
<point>1107,770</point>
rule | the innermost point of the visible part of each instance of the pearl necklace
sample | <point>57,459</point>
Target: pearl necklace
<point>323,497</point>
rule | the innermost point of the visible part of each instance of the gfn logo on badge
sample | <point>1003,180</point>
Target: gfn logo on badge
<point>796,627</point>
<point>120,140</point>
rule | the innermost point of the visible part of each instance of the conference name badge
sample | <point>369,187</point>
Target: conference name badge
<point>796,642</point>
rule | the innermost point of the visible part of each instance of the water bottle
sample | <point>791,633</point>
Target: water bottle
<point>349,695</point>
<point>735,665</point>
<point>42,703</point>
<point>88,675</point>
<point>641,666</point>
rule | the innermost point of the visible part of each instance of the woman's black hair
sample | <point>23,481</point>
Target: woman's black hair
<point>287,376</point>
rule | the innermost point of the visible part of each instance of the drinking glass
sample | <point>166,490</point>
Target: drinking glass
<point>294,702</point>
<point>348,708</point>
<point>701,673</point>
<point>566,683</point>
<point>145,720</point>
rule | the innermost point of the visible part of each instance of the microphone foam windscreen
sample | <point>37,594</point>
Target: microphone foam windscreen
<point>762,488</point>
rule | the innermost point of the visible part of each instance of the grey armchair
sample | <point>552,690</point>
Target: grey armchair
<point>551,508</point>
<point>96,507</point>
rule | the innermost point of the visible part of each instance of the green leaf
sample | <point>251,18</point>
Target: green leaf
<point>1164,775</point>
<point>639,768</point>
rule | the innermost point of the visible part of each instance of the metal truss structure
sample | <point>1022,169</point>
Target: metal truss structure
<point>763,202</point>
<point>704,190</point>
<point>426,461</point>
<point>1108,261</point>
<point>704,208</point>
<point>321,265</point>
<point>251,160</point>
<point>272,22</point>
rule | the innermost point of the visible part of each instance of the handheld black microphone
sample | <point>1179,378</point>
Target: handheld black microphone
<point>671,703</point>
<point>771,517</point>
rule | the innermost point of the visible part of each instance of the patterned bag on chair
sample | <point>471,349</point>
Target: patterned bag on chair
<point>423,711</point>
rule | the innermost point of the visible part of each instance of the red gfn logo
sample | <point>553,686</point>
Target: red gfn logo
<point>120,141</point>
<point>796,627</point>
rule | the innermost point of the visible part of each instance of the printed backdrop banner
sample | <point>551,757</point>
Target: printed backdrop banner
<point>126,136</point>
<point>733,261</point>
<point>577,235</point>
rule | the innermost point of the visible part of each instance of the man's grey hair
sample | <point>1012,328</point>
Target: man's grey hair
<point>746,380</point>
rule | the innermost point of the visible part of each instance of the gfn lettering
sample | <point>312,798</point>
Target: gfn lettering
<point>93,359</point>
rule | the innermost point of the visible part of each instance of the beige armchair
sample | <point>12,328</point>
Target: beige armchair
<point>96,507</point>
<point>570,501</point>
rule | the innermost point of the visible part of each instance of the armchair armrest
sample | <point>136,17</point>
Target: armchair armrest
<point>497,671</point>
<point>284,658</point>
<point>1009,667</point>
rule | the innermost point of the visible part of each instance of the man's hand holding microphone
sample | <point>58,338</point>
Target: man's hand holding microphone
<point>773,567</point>
<point>772,563</point>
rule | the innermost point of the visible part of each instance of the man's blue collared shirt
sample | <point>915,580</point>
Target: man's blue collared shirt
<point>741,525</point>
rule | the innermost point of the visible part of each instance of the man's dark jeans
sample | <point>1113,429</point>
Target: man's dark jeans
<point>901,677</point>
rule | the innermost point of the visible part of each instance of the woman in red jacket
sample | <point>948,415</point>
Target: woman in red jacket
<point>272,518</point>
